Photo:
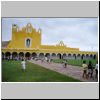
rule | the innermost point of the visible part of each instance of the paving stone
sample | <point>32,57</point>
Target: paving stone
<point>72,71</point>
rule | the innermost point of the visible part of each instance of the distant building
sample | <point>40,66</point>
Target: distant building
<point>26,43</point>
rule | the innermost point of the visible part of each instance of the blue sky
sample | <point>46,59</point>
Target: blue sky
<point>74,32</point>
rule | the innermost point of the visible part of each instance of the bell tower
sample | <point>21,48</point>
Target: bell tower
<point>15,29</point>
<point>27,37</point>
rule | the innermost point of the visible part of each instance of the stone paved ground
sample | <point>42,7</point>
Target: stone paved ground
<point>73,71</point>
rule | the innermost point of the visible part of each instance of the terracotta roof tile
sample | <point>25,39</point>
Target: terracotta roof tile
<point>5,43</point>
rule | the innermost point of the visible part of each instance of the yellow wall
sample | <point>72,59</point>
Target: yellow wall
<point>19,37</point>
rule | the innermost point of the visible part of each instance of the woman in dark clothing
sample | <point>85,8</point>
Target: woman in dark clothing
<point>90,69</point>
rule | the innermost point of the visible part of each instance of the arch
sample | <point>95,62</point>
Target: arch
<point>41,55</point>
<point>53,55</point>
<point>61,43</point>
<point>14,54</point>
<point>91,55</point>
<point>47,54</point>
<point>29,28</point>
<point>7,54</point>
<point>78,55</point>
<point>74,55</point>
<point>64,56</point>
<point>3,55</point>
<point>69,55</point>
<point>94,56</point>
<point>87,55</point>
<point>28,42</point>
<point>59,56</point>
<point>21,54</point>
<point>34,55</point>
<point>82,56</point>
<point>27,54</point>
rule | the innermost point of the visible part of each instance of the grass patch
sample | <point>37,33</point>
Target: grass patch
<point>11,72</point>
<point>75,62</point>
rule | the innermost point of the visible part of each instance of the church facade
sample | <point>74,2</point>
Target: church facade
<point>26,43</point>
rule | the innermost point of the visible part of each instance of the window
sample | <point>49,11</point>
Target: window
<point>28,42</point>
<point>29,30</point>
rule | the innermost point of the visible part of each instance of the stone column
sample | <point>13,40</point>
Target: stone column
<point>11,56</point>
<point>24,56</point>
<point>30,56</point>
<point>37,55</point>
<point>4,56</point>
<point>50,56</point>
<point>18,56</point>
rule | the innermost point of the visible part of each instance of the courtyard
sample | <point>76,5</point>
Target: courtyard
<point>37,71</point>
<point>11,72</point>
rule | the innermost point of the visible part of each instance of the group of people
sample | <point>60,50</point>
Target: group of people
<point>88,70</point>
<point>46,59</point>
<point>9,58</point>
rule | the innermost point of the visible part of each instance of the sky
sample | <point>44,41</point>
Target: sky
<point>79,33</point>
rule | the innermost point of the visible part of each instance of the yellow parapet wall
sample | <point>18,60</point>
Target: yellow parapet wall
<point>19,37</point>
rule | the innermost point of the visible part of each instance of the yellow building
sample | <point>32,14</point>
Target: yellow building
<point>26,42</point>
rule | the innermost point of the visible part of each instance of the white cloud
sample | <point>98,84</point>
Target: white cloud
<point>75,32</point>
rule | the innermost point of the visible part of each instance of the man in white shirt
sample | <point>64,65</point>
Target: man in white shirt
<point>23,63</point>
<point>46,59</point>
<point>85,70</point>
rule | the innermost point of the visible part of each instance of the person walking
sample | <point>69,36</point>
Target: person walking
<point>85,69</point>
<point>23,63</point>
<point>46,59</point>
<point>8,58</point>
<point>96,70</point>
<point>90,70</point>
<point>49,60</point>
<point>42,59</point>
<point>65,62</point>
